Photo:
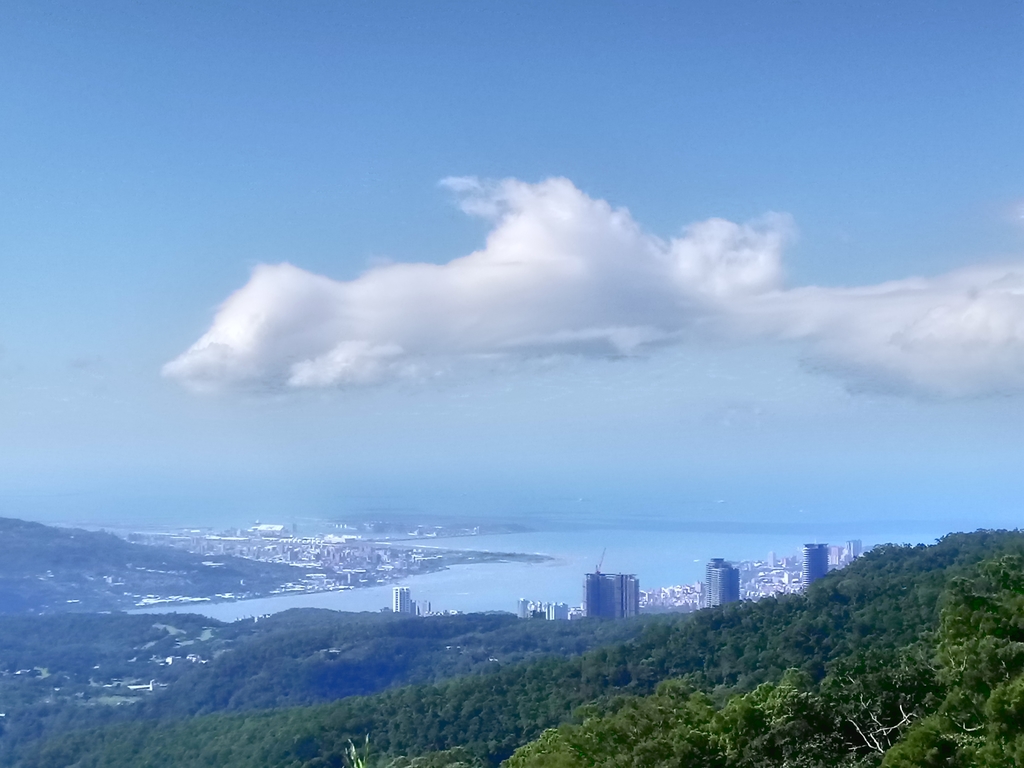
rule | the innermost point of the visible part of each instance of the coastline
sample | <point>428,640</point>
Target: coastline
<point>659,558</point>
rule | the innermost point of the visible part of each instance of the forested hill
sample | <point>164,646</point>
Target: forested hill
<point>863,625</point>
<point>954,698</point>
<point>67,672</point>
<point>44,569</point>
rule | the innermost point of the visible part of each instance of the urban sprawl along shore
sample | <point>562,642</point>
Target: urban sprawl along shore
<point>375,554</point>
<point>323,562</point>
<point>619,595</point>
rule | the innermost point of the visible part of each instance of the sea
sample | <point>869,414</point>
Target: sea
<point>660,555</point>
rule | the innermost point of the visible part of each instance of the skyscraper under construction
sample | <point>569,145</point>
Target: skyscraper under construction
<point>611,595</point>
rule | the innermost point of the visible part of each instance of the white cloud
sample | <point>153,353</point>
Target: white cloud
<point>562,272</point>
<point>955,335</point>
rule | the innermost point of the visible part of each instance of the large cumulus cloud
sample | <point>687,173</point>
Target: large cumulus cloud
<point>564,273</point>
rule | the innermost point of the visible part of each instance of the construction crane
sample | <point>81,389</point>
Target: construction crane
<point>601,561</point>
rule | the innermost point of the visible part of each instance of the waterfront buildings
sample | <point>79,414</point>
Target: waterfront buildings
<point>557,612</point>
<point>611,595</point>
<point>722,583</point>
<point>525,608</point>
<point>401,600</point>
<point>340,561</point>
<point>531,609</point>
<point>682,598</point>
<point>835,556</point>
<point>815,563</point>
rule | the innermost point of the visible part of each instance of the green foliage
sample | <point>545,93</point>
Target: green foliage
<point>448,758</point>
<point>875,695</point>
<point>775,724</point>
<point>981,637</point>
<point>863,680</point>
<point>69,671</point>
<point>295,657</point>
<point>929,744</point>
<point>980,653</point>
<point>304,657</point>
<point>673,727</point>
<point>959,704</point>
<point>1004,726</point>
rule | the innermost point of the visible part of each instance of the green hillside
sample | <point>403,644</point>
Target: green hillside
<point>47,570</point>
<point>76,671</point>
<point>954,698</point>
<point>870,625</point>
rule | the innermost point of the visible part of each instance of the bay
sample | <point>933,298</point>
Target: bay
<point>659,557</point>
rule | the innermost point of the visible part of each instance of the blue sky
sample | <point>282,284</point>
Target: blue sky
<point>153,156</point>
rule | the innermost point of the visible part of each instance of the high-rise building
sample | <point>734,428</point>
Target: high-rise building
<point>592,595</point>
<point>722,583</point>
<point>401,601</point>
<point>854,549</point>
<point>557,611</point>
<point>815,563</point>
<point>612,595</point>
<point>836,556</point>
<point>523,611</point>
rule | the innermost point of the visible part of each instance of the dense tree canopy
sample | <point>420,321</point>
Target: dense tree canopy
<point>955,698</point>
<point>70,671</point>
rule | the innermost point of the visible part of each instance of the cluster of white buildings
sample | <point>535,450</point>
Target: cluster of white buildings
<point>350,561</point>
<point>534,609</point>
<point>682,597</point>
<point>402,602</point>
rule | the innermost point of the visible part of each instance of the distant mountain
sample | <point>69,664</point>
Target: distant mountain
<point>44,569</point>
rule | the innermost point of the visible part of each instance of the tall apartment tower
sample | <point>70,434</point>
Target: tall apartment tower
<point>401,601</point>
<point>854,549</point>
<point>722,583</point>
<point>612,595</point>
<point>835,556</point>
<point>815,563</point>
<point>523,611</point>
<point>557,612</point>
<point>592,592</point>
